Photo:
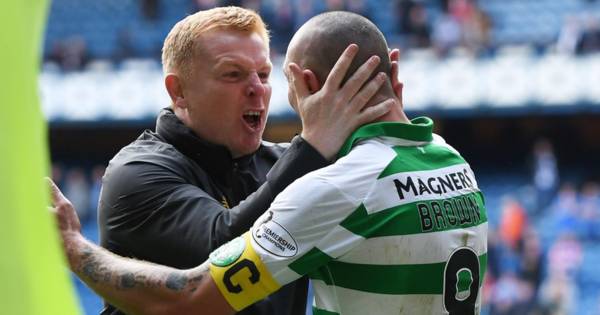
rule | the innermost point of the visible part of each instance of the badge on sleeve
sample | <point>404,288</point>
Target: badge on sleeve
<point>275,239</point>
<point>228,253</point>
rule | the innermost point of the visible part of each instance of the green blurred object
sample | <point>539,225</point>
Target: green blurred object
<point>34,278</point>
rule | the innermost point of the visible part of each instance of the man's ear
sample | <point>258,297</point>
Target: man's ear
<point>311,81</point>
<point>397,86</point>
<point>175,90</point>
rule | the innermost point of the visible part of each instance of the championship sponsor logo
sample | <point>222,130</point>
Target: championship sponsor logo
<point>275,239</point>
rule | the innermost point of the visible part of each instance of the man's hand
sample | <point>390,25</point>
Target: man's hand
<point>68,221</point>
<point>66,217</point>
<point>135,287</point>
<point>332,113</point>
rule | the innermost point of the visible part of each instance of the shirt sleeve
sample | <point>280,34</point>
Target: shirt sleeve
<point>300,232</point>
<point>152,212</point>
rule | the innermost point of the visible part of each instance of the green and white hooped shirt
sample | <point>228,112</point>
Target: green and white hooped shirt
<point>397,225</point>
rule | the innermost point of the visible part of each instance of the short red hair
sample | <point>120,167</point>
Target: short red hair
<point>181,43</point>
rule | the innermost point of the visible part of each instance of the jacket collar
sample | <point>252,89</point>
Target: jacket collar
<point>213,158</point>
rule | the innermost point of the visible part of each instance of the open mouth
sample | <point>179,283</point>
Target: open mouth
<point>253,119</point>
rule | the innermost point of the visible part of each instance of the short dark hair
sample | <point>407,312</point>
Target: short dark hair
<point>331,32</point>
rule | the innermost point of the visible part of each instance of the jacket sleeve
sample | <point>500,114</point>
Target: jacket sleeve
<point>151,212</point>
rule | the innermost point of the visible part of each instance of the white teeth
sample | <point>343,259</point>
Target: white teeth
<point>252,113</point>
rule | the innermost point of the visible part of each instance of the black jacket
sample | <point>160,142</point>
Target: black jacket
<point>165,199</point>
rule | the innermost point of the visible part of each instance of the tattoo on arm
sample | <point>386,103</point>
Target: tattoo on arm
<point>127,280</point>
<point>90,266</point>
<point>99,268</point>
<point>176,281</point>
<point>136,287</point>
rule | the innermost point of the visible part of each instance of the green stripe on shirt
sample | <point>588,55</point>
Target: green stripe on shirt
<point>419,217</point>
<point>314,258</point>
<point>419,129</point>
<point>318,311</point>
<point>424,158</point>
<point>389,279</point>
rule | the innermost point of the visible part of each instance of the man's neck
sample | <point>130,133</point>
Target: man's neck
<point>396,113</point>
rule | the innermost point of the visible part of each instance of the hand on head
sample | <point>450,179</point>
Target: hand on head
<point>336,109</point>
<point>357,88</point>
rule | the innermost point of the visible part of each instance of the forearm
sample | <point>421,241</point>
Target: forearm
<point>137,287</point>
<point>299,159</point>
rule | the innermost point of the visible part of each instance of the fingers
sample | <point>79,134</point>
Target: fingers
<point>58,199</point>
<point>358,79</point>
<point>56,194</point>
<point>338,72</point>
<point>367,92</point>
<point>67,218</point>
<point>297,81</point>
<point>52,210</point>
<point>373,112</point>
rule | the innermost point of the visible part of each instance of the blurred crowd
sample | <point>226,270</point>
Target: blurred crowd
<point>440,25</point>
<point>580,34</point>
<point>542,252</point>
